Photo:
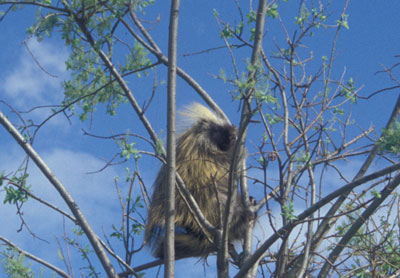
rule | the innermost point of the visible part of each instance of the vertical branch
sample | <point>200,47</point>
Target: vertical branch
<point>169,251</point>
<point>222,258</point>
<point>333,50</point>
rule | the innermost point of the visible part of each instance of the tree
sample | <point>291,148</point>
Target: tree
<point>295,121</point>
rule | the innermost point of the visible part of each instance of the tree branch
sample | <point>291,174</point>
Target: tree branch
<point>306,213</point>
<point>63,193</point>
<point>357,225</point>
<point>239,149</point>
<point>169,240</point>
<point>36,259</point>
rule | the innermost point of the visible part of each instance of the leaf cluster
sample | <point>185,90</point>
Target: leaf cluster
<point>390,140</point>
<point>16,194</point>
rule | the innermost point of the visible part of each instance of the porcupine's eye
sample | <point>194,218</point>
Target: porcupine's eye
<point>223,136</point>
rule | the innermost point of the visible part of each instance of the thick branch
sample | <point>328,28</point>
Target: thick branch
<point>63,192</point>
<point>169,241</point>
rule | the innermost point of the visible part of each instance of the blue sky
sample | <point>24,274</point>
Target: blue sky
<point>371,41</point>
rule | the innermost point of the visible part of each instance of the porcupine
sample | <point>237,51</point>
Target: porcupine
<point>203,157</point>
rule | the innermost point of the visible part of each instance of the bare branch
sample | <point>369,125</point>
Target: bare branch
<point>357,225</point>
<point>306,213</point>
<point>169,240</point>
<point>153,48</point>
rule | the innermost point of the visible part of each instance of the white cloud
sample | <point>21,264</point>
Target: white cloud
<point>26,84</point>
<point>94,194</point>
<point>331,181</point>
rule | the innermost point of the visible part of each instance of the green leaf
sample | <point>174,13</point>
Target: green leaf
<point>390,140</point>
<point>272,11</point>
<point>60,255</point>
<point>288,211</point>
<point>1,178</point>
<point>344,21</point>
<point>251,17</point>
<point>376,193</point>
<point>263,162</point>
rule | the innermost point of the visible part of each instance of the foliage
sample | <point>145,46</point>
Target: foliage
<point>15,266</point>
<point>19,194</point>
<point>390,140</point>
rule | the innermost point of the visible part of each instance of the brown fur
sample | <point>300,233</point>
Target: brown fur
<point>203,157</point>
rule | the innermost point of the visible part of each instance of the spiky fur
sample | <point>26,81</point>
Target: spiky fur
<point>203,157</point>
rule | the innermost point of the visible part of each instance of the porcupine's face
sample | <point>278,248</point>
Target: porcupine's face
<point>223,136</point>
